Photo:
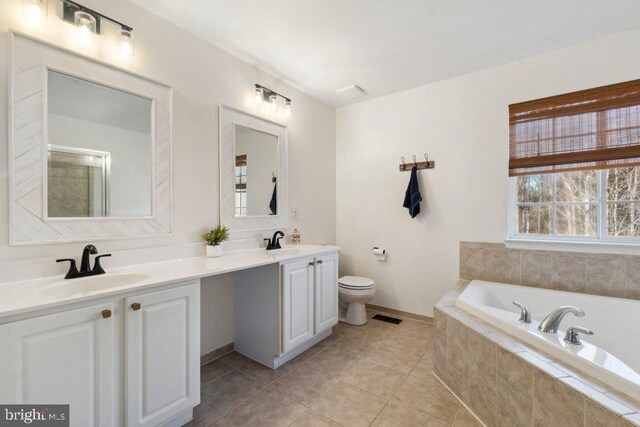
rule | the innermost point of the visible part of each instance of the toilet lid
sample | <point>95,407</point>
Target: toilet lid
<point>355,282</point>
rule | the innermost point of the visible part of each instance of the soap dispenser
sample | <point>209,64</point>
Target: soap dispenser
<point>295,236</point>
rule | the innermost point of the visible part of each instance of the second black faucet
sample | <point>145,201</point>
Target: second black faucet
<point>274,242</point>
<point>85,264</point>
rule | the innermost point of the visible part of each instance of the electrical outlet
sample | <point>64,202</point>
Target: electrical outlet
<point>294,214</point>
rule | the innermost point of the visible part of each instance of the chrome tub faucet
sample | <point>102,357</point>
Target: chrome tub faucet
<point>552,321</point>
<point>525,314</point>
<point>572,336</point>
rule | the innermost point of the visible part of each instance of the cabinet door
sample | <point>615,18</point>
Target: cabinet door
<point>162,354</point>
<point>297,303</point>
<point>326,292</point>
<point>63,358</point>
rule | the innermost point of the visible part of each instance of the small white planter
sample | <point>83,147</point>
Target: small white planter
<point>214,251</point>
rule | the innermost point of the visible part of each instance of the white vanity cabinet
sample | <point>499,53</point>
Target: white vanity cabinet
<point>77,356</point>
<point>162,354</point>
<point>306,292</point>
<point>64,358</point>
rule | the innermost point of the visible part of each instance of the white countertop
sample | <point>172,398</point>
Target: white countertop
<point>31,295</point>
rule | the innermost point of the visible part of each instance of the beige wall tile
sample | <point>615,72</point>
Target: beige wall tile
<point>505,266</point>
<point>475,263</point>
<point>633,278</point>
<point>555,403</point>
<point>597,416</point>
<point>440,341</point>
<point>568,272</point>
<point>458,383</point>
<point>482,406</point>
<point>514,393</point>
<point>536,269</point>
<point>484,363</point>
<point>457,345</point>
<point>606,276</point>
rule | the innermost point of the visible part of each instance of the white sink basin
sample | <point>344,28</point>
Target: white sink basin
<point>88,285</point>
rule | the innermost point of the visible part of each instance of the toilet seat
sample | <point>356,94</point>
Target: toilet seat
<point>356,283</point>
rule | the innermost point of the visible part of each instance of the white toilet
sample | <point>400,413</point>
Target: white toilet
<point>354,292</point>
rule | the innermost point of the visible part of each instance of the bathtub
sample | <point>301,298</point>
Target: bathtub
<point>611,355</point>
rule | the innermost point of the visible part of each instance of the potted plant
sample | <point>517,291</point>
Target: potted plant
<point>214,237</point>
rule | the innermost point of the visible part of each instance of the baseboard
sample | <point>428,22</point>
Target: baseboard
<point>216,354</point>
<point>406,314</point>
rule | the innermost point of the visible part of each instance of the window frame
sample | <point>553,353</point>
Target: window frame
<point>570,242</point>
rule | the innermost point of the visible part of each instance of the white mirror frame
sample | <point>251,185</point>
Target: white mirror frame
<point>29,63</point>
<point>229,118</point>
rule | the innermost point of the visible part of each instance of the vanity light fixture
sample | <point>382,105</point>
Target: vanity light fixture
<point>89,22</point>
<point>269,98</point>
<point>34,11</point>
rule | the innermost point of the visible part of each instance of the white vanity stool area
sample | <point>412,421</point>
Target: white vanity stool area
<point>124,348</point>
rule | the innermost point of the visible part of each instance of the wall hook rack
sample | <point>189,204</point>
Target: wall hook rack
<point>427,164</point>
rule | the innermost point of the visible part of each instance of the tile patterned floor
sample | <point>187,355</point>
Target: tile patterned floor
<point>378,374</point>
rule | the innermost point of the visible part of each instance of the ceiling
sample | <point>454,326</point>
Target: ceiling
<point>386,46</point>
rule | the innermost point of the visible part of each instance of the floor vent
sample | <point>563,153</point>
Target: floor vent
<point>387,319</point>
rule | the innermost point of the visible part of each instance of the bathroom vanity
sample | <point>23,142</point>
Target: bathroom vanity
<point>126,345</point>
<point>90,160</point>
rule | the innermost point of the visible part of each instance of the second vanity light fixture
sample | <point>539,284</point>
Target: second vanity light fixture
<point>268,97</point>
<point>88,22</point>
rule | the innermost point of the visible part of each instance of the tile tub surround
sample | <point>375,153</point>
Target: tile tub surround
<point>598,274</point>
<point>506,382</point>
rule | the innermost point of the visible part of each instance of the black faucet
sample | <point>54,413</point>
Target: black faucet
<point>85,264</point>
<point>274,242</point>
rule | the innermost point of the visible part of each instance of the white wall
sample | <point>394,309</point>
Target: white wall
<point>462,124</point>
<point>202,76</point>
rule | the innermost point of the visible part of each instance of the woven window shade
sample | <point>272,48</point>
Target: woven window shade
<point>591,129</point>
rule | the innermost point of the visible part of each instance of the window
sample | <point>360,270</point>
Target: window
<point>596,204</point>
<point>574,165</point>
<point>241,185</point>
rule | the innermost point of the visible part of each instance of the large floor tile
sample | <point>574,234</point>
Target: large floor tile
<point>203,416</point>
<point>230,390</point>
<point>213,370</point>
<point>305,385</point>
<point>375,378</point>
<point>395,358</point>
<point>268,408</point>
<point>358,344</point>
<point>331,361</point>
<point>313,419</point>
<point>429,397</point>
<point>350,406</point>
<point>394,415</point>
<point>424,368</point>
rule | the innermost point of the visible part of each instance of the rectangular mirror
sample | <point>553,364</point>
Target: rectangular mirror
<point>256,173</point>
<point>89,148</point>
<point>99,150</point>
<point>253,172</point>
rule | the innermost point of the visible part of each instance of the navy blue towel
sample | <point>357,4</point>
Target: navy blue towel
<point>273,205</point>
<point>412,197</point>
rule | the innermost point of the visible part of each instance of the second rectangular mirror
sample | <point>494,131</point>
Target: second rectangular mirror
<point>256,173</point>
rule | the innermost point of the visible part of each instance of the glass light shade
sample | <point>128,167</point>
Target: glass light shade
<point>273,103</point>
<point>86,24</point>
<point>259,96</point>
<point>126,42</point>
<point>287,109</point>
<point>34,11</point>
